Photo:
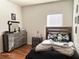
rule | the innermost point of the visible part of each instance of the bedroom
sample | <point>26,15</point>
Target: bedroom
<point>33,18</point>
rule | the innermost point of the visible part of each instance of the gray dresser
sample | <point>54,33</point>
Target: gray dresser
<point>14,40</point>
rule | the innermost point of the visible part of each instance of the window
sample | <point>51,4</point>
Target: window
<point>55,20</point>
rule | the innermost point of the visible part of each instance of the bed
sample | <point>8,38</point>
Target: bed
<point>53,54</point>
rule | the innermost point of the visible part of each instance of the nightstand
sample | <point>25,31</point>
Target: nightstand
<point>36,41</point>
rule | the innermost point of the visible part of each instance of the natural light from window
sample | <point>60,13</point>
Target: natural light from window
<point>55,20</point>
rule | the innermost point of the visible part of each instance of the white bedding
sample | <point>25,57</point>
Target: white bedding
<point>69,51</point>
<point>64,48</point>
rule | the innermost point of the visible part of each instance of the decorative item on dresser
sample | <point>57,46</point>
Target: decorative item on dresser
<point>14,40</point>
<point>13,26</point>
<point>36,41</point>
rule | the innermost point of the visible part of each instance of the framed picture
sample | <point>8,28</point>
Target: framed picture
<point>75,29</point>
<point>13,16</point>
<point>77,9</point>
<point>76,20</point>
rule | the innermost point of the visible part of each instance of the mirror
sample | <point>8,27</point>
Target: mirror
<point>13,26</point>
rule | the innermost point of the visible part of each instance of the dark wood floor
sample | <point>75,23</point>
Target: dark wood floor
<point>18,53</point>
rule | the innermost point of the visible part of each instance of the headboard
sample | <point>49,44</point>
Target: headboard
<point>59,29</point>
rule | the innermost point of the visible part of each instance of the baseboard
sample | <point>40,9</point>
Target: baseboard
<point>1,51</point>
<point>29,44</point>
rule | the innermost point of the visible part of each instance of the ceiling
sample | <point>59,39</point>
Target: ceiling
<point>31,2</point>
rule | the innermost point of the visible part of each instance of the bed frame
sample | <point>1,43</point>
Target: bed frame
<point>59,29</point>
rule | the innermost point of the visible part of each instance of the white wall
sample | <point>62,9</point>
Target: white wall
<point>35,17</point>
<point>76,35</point>
<point>6,8</point>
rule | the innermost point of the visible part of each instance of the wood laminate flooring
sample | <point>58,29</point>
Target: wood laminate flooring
<point>18,53</point>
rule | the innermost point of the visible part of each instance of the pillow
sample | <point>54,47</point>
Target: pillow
<point>59,37</point>
<point>52,36</point>
<point>44,46</point>
<point>63,37</point>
